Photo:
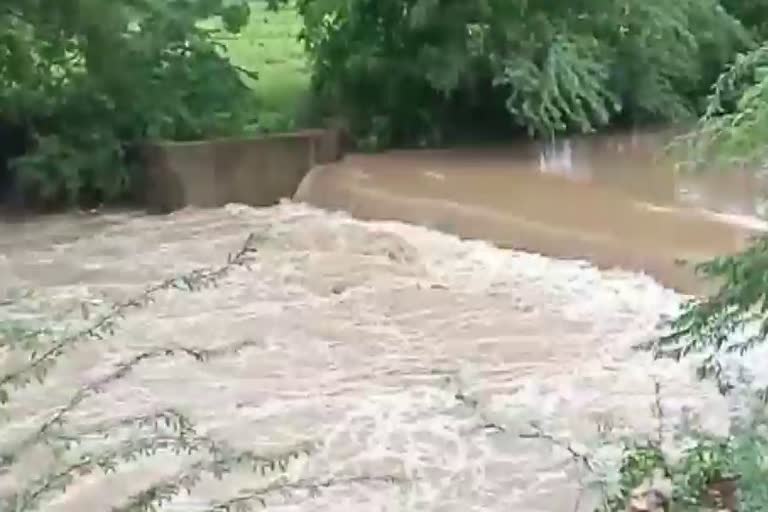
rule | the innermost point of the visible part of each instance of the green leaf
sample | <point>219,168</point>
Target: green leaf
<point>236,16</point>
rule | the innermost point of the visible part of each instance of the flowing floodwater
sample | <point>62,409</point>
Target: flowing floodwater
<point>614,200</point>
<point>393,349</point>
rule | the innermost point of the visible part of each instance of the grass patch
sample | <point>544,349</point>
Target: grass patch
<point>269,47</point>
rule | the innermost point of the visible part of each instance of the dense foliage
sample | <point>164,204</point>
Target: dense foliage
<point>733,321</point>
<point>735,124</point>
<point>83,82</point>
<point>410,70</point>
<point>733,130</point>
<point>711,473</point>
<point>752,13</point>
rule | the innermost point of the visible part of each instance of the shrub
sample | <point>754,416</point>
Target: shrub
<point>87,82</point>
<point>410,70</point>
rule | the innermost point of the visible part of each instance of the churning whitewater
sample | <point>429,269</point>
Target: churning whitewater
<point>393,350</point>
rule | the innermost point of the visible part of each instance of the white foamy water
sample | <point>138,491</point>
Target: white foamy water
<point>362,336</point>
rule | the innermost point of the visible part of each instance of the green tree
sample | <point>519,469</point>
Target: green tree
<point>402,69</point>
<point>752,13</point>
<point>732,131</point>
<point>88,81</point>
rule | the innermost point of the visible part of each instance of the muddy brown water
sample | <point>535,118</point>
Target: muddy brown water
<point>616,201</point>
<point>363,333</point>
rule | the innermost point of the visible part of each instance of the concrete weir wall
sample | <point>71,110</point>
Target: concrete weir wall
<point>258,171</point>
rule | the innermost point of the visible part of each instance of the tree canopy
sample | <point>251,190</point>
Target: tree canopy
<point>403,69</point>
<point>85,81</point>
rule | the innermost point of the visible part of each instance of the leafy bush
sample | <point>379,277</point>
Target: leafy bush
<point>410,70</point>
<point>735,124</point>
<point>712,472</point>
<point>734,320</point>
<point>753,13</point>
<point>87,82</point>
<point>680,468</point>
<point>731,321</point>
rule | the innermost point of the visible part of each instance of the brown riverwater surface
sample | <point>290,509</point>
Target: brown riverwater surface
<point>390,347</point>
<point>614,200</point>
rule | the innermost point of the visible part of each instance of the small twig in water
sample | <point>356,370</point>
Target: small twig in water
<point>313,487</point>
<point>538,433</point>
<point>658,411</point>
<point>487,424</point>
<point>105,325</point>
<point>99,386</point>
<point>221,464</point>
